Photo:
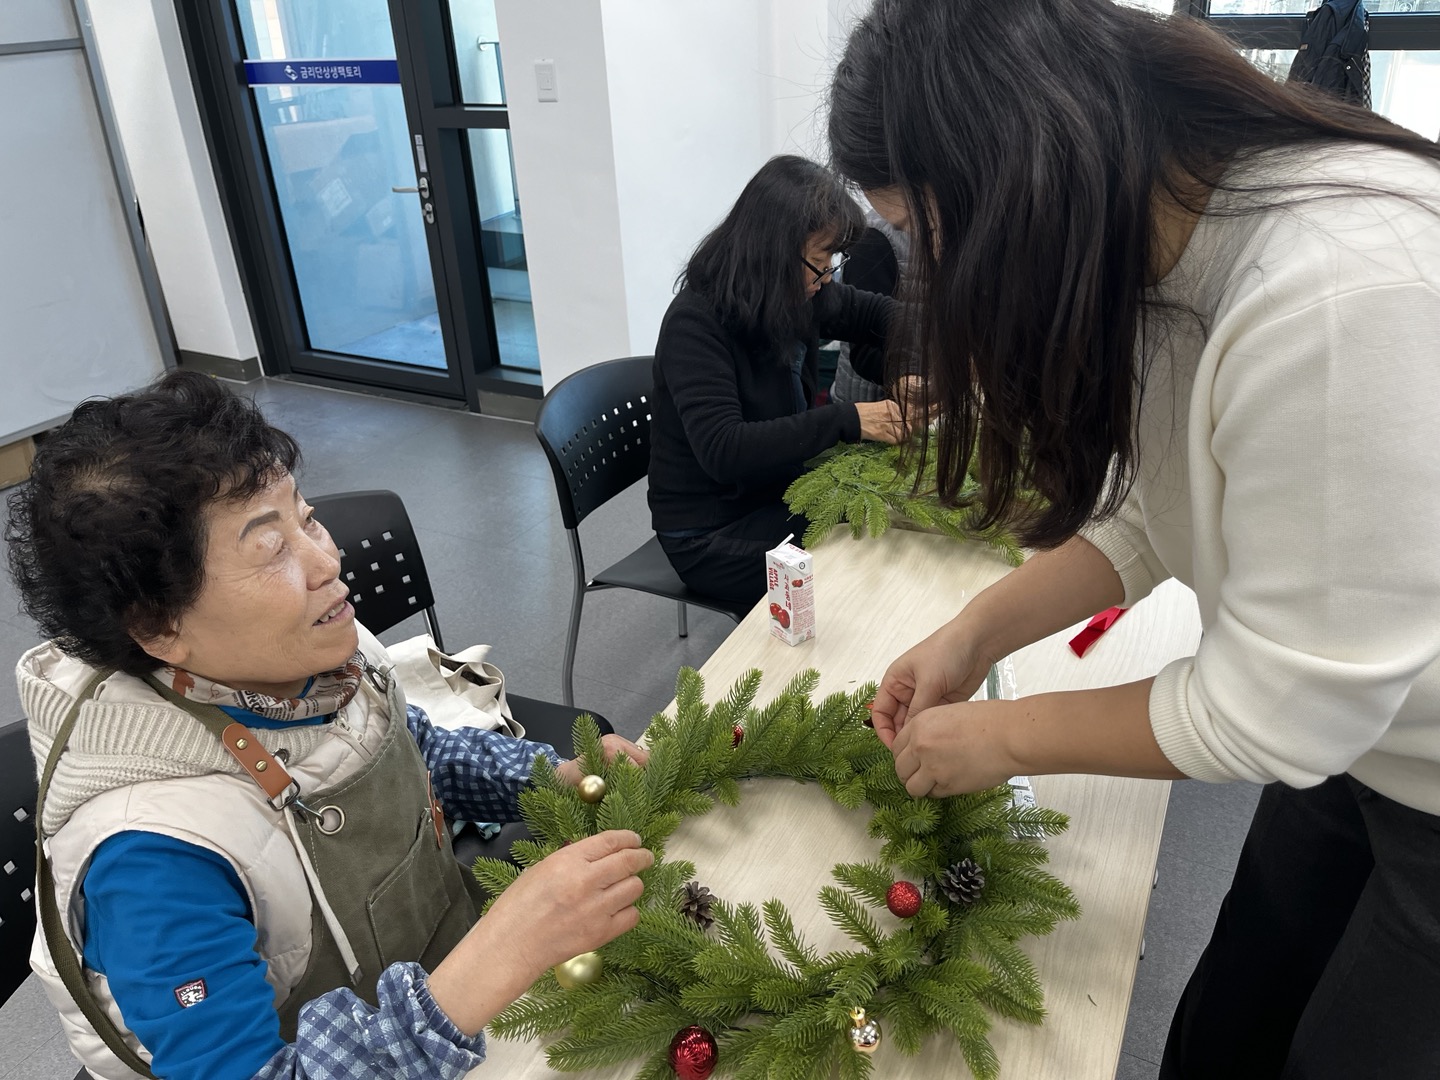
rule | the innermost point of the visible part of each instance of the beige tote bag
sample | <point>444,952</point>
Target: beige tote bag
<point>455,690</point>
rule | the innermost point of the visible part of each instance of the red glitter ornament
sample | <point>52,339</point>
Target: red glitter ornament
<point>693,1053</point>
<point>903,900</point>
<point>738,736</point>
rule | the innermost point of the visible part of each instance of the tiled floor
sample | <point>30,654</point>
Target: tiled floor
<point>481,496</point>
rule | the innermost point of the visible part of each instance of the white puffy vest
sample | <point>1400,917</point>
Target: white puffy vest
<point>224,812</point>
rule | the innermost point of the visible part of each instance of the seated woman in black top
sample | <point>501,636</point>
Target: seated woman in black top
<point>735,376</point>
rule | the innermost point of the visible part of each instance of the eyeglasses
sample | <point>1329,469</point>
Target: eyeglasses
<point>836,262</point>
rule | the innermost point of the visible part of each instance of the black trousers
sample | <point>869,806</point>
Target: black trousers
<point>1325,960</point>
<point>730,563</point>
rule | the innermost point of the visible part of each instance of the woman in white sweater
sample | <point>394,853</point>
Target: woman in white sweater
<point>1198,313</point>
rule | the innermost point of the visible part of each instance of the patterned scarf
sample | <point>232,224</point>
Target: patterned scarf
<point>330,691</point>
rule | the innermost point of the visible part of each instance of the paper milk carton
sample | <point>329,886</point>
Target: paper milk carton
<point>789,575</point>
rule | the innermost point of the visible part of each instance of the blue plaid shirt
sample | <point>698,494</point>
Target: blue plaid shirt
<point>207,926</point>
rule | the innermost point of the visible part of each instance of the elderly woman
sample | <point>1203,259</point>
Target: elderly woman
<point>244,851</point>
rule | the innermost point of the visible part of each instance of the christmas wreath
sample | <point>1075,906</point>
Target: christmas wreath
<point>704,985</point>
<point>872,486</point>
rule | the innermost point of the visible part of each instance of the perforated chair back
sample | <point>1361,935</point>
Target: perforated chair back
<point>380,558</point>
<point>595,428</point>
<point>17,856</point>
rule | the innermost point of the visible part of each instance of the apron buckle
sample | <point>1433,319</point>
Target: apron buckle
<point>290,795</point>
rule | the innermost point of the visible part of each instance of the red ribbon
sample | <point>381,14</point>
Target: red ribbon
<point>1081,642</point>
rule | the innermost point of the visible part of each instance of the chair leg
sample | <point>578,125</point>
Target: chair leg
<point>573,634</point>
<point>684,619</point>
<point>433,625</point>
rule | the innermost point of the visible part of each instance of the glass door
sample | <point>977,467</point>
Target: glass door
<point>325,84</point>
<point>363,154</point>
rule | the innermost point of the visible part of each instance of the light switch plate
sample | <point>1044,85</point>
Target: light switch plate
<point>546,86</point>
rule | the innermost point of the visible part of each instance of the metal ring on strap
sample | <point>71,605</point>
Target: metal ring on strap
<point>330,820</point>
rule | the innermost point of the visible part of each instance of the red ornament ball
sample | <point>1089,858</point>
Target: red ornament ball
<point>738,736</point>
<point>903,900</point>
<point>693,1053</point>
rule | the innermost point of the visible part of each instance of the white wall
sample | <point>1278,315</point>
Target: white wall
<point>565,169</point>
<point>701,94</point>
<point>690,119</point>
<point>159,122</point>
<point>695,96</point>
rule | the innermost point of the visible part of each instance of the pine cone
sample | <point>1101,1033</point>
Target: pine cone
<point>695,904</point>
<point>963,882</point>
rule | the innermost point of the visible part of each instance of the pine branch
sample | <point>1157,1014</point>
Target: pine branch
<point>783,935</point>
<point>870,486</point>
<point>588,748</point>
<point>850,916</point>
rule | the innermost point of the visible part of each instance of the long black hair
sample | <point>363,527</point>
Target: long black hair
<point>749,267</point>
<point>1030,140</point>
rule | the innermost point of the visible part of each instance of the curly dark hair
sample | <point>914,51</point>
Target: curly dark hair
<point>107,540</point>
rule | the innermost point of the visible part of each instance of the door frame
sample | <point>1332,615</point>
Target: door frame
<point>425,36</point>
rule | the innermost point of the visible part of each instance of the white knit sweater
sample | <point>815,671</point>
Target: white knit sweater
<point>1290,475</point>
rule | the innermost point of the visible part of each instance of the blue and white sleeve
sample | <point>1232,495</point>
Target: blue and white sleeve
<point>478,774</point>
<point>341,1037</point>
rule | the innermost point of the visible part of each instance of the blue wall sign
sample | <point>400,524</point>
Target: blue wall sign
<point>327,72</point>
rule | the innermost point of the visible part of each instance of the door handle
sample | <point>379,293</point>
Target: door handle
<point>422,188</point>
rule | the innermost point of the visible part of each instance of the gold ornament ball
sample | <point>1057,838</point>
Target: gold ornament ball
<point>865,1035</point>
<point>579,970</point>
<point>592,788</point>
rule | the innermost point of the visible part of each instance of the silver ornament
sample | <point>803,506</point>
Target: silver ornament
<point>865,1035</point>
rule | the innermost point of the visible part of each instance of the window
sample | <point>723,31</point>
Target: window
<point>1404,49</point>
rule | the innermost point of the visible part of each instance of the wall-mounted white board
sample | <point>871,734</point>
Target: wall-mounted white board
<point>75,318</point>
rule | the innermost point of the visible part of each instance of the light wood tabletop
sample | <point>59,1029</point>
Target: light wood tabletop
<point>874,599</point>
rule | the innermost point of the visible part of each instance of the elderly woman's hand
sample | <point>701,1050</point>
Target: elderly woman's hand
<point>614,746</point>
<point>571,902</point>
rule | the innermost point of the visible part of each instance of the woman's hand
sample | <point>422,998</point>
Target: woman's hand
<point>881,421</point>
<point>575,900</point>
<point>947,667</point>
<point>910,391</point>
<point>977,744</point>
<point>955,749</point>
<point>570,903</point>
<point>614,746</point>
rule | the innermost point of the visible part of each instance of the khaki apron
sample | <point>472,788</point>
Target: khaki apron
<point>375,844</point>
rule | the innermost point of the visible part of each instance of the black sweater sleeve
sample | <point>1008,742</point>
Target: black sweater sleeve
<point>861,318</point>
<point>699,369</point>
<point>874,268</point>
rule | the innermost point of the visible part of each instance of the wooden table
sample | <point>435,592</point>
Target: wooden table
<point>874,599</point>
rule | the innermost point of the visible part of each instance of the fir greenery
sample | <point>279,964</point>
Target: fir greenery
<point>871,486</point>
<point>779,1009</point>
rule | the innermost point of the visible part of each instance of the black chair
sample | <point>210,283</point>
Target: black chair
<point>17,852</point>
<point>380,561</point>
<point>595,428</point>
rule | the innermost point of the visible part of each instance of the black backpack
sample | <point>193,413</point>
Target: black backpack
<point>1334,51</point>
